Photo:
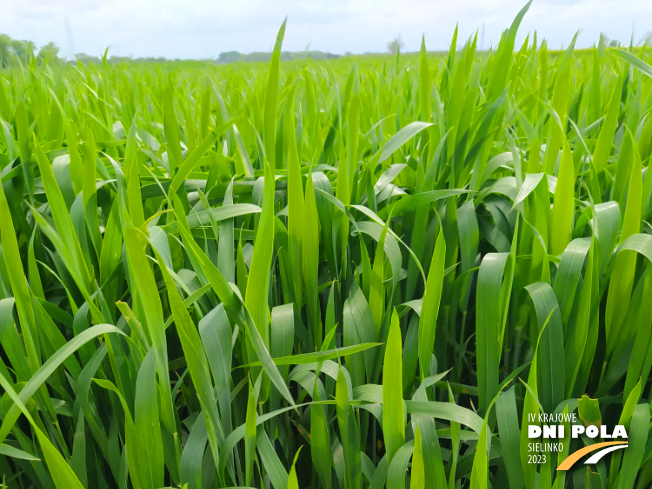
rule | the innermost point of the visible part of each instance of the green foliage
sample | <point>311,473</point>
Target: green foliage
<point>347,274</point>
<point>14,52</point>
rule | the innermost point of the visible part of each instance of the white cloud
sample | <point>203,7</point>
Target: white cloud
<point>204,28</point>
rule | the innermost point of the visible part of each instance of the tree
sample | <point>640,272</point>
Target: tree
<point>5,50</point>
<point>604,39</point>
<point>395,45</point>
<point>49,52</point>
<point>14,51</point>
<point>22,49</point>
<point>229,57</point>
<point>608,42</point>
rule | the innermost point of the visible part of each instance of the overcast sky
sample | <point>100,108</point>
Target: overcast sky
<point>204,28</point>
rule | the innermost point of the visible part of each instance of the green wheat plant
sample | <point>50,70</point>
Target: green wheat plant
<point>360,273</point>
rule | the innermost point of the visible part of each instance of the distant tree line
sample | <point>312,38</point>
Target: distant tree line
<point>13,51</point>
<point>87,58</point>
<point>223,58</point>
<point>235,56</point>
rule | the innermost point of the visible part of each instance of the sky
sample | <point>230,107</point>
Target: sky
<point>202,29</point>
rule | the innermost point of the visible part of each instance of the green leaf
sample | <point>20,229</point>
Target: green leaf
<point>550,348</point>
<point>150,301</point>
<point>146,425</point>
<point>507,417</point>
<point>62,474</point>
<point>402,137</point>
<point>562,209</point>
<point>430,306</point>
<point>393,411</point>
<point>320,447</point>
<point>197,363</point>
<point>269,133</point>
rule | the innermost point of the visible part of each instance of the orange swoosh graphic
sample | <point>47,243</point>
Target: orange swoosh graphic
<point>575,456</point>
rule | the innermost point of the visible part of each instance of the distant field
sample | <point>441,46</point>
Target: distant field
<point>366,272</point>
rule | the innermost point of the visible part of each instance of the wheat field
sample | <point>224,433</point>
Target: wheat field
<point>357,273</point>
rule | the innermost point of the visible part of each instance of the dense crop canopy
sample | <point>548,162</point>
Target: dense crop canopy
<point>392,264</point>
